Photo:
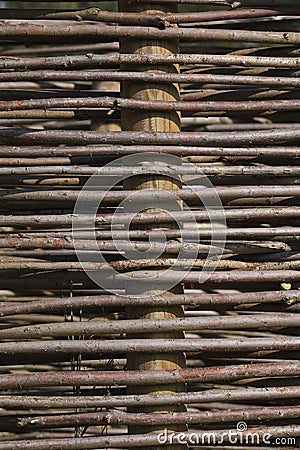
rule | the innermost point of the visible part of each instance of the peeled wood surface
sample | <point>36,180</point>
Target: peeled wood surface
<point>155,122</point>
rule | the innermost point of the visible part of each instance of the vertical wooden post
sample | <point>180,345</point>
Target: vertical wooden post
<point>158,122</point>
<point>102,125</point>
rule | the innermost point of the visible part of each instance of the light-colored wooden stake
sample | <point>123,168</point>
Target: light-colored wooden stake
<point>102,125</point>
<point>159,122</point>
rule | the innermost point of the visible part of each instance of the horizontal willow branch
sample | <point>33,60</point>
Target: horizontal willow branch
<point>161,196</point>
<point>65,220</point>
<point>62,304</point>
<point>203,417</point>
<point>141,105</point>
<point>32,167</point>
<point>92,75</point>
<point>155,19</point>
<point>27,136</point>
<point>31,32</point>
<point>239,233</point>
<point>222,395</point>
<point>215,279</point>
<point>110,347</point>
<point>94,61</point>
<point>151,377</point>
<point>108,151</point>
<point>108,327</point>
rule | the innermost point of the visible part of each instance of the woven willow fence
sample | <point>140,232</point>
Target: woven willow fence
<point>150,224</point>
